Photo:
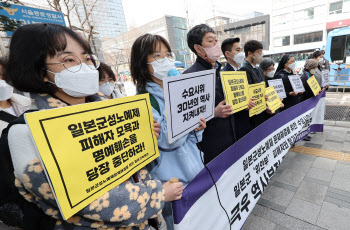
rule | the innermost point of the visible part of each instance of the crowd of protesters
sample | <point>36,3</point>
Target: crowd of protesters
<point>57,68</point>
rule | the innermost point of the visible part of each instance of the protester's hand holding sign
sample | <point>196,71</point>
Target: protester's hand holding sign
<point>156,128</point>
<point>222,110</point>
<point>251,104</point>
<point>203,125</point>
<point>293,93</point>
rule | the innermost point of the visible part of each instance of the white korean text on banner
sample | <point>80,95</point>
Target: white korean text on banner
<point>243,171</point>
<point>279,87</point>
<point>188,98</point>
<point>296,83</point>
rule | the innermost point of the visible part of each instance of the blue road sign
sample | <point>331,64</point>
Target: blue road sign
<point>30,15</point>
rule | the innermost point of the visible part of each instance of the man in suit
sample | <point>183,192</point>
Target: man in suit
<point>232,50</point>
<point>219,133</point>
<point>253,53</point>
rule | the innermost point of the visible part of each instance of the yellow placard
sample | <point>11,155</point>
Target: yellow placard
<point>89,149</point>
<point>315,87</point>
<point>257,91</point>
<point>235,86</point>
<point>273,102</point>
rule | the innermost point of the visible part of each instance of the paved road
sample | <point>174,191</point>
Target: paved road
<point>307,191</point>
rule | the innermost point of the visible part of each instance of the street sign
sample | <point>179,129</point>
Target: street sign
<point>189,62</point>
<point>30,15</point>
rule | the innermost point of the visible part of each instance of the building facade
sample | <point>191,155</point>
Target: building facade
<point>174,29</point>
<point>107,16</point>
<point>299,27</point>
<point>257,28</point>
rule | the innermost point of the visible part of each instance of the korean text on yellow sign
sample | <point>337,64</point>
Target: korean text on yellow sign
<point>315,87</point>
<point>235,85</point>
<point>273,102</point>
<point>91,148</point>
<point>257,91</point>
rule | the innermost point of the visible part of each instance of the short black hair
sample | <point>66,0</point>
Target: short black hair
<point>323,52</point>
<point>252,46</point>
<point>30,45</point>
<point>196,35</point>
<point>142,47</point>
<point>105,69</point>
<point>316,54</point>
<point>228,43</point>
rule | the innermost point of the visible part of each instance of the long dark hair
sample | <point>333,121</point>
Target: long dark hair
<point>142,47</point>
<point>30,45</point>
<point>283,62</point>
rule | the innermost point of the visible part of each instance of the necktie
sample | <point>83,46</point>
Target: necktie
<point>258,73</point>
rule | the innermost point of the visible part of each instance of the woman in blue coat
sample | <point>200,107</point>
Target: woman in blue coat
<point>152,61</point>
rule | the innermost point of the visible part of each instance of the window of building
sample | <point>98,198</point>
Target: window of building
<point>336,8</point>
<point>282,41</point>
<point>305,14</point>
<point>281,19</point>
<point>308,37</point>
<point>255,32</point>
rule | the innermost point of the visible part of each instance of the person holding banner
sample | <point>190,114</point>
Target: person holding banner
<point>240,122</point>
<point>309,70</point>
<point>324,63</point>
<point>58,68</point>
<point>319,57</point>
<point>253,53</point>
<point>107,82</point>
<point>232,50</point>
<point>268,68</point>
<point>151,62</point>
<point>285,68</point>
<point>202,40</point>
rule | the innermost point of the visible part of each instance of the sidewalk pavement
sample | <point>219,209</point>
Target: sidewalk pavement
<point>311,188</point>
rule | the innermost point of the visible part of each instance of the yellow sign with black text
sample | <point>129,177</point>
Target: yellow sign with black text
<point>273,101</point>
<point>315,87</point>
<point>89,149</point>
<point>257,91</point>
<point>235,85</point>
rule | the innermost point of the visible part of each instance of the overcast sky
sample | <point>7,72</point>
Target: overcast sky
<point>139,12</point>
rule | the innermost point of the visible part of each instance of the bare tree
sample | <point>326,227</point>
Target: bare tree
<point>64,6</point>
<point>118,50</point>
<point>88,17</point>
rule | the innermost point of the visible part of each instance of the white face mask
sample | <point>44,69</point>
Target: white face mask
<point>107,88</point>
<point>238,58</point>
<point>292,66</point>
<point>6,90</point>
<point>164,68</point>
<point>320,60</point>
<point>79,84</point>
<point>313,71</point>
<point>271,74</point>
